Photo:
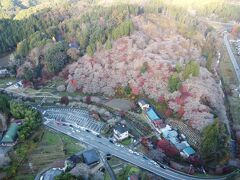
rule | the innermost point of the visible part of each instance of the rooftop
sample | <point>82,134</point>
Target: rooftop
<point>142,102</point>
<point>181,146</point>
<point>189,151</point>
<point>152,114</point>
<point>90,157</point>
<point>121,128</point>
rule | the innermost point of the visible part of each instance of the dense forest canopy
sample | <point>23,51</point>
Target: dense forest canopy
<point>21,18</point>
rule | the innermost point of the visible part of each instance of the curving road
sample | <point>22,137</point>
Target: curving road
<point>232,57</point>
<point>103,145</point>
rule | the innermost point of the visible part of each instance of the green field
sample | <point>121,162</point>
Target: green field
<point>127,141</point>
<point>106,176</point>
<point>52,148</point>
<point>4,81</point>
<point>128,171</point>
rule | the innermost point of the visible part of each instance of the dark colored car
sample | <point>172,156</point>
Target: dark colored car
<point>145,157</point>
<point>87,130</point>
<point>111,141</point>
<point>108,154</point>
<point>162,166</point>
<point>98,136</point>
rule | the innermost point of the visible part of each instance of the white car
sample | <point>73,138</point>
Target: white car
<point>9,83</point>
<point>130,151</point>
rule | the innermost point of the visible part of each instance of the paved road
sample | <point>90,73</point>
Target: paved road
<point>107,166</point>
<point>103,145</point>
<point>232,57</point>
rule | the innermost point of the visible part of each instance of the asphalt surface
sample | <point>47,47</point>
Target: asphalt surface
<point>103,145</point>
<point>107,166</point>
<point>232,57</point>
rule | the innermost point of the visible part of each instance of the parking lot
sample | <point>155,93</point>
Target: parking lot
<point>235,46</point>
<point>76,117</point>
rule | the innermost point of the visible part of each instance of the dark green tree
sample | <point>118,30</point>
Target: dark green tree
<point>67,176</point>
<point>108,44</point>
<point>191,69</point>
<point>22,48</point>
<point>90,49</point>
<point>214,142</point>
<point>128,90</point>
<point>17,110</point>
<point>28,74</point>
<point>4,105</point>
<point>56,57</point>
<point>174,82</point>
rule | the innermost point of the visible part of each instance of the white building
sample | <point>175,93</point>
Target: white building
<point>120,132</point>
<point>4,73</point>
<point>143,104</point>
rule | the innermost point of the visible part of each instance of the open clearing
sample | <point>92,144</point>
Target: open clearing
<point>51,151</point>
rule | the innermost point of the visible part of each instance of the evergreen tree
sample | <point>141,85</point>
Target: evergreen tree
<point>174,82</point>
<point>191,69</point>
<point>56,57</point>
<point>108,44</point>
<point>90,49</point>
<point>22,48</point>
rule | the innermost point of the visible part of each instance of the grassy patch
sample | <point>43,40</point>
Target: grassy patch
<point>52,147</point>
<point>133,170</point>
<point>126,141</point>
<point>4,81</point>
<point>106,176</point>
<point>115,161</point>
<point>74,94</point>
<point>51,138</point>
<point>71,146</point>
<point>128,171</point>
<point>25,177</point>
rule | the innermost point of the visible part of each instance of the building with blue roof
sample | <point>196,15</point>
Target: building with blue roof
<point>188,151</point>
<point>152,115</point>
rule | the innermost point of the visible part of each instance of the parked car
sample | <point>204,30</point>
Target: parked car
<point>162,166</point>
<point>98,136</point>
<point>145,157</point>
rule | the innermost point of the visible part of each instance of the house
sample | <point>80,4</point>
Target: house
<point>91,157</point>
<point>4,73</point>
<point>143,104</point>
<point>9,139</point>
<point>188,151</point>
<point>120,132</point>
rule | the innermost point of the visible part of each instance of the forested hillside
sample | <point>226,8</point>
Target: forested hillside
<point>156,49</point>
<point>47,36</point>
